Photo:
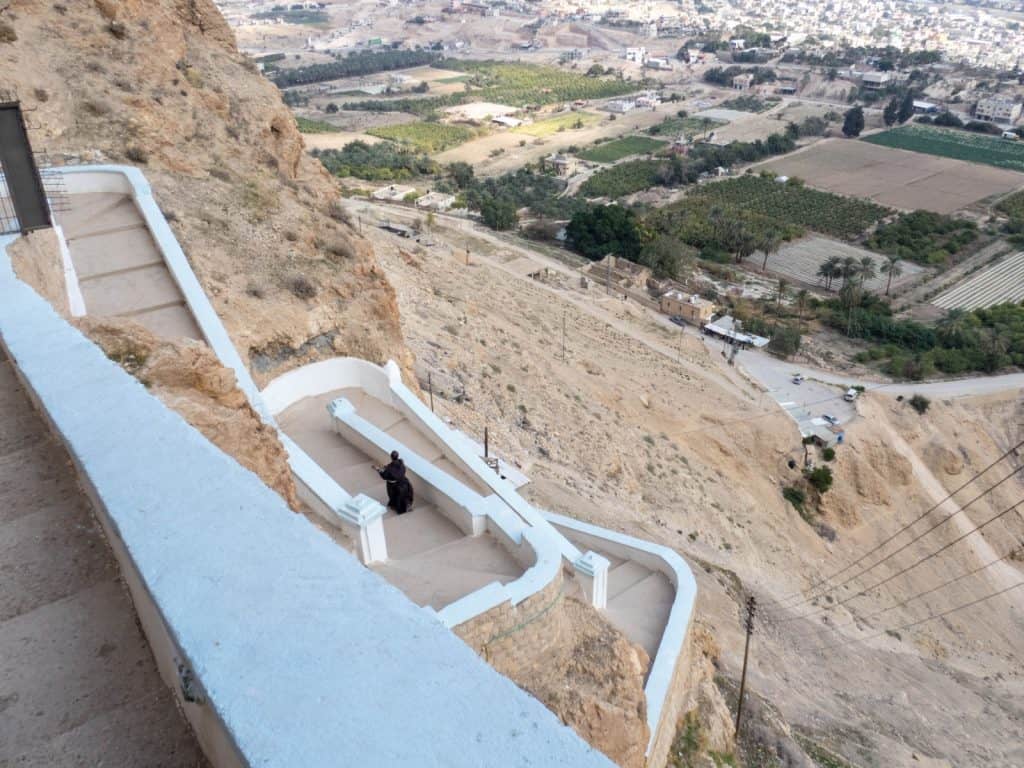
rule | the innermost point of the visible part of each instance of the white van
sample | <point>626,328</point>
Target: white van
<point>851,395</point>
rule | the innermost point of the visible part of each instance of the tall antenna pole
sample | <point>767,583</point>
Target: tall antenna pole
<point>751,607</point>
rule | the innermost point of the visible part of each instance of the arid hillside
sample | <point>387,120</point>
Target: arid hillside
<point>642,430</point>
<point>160,84</point>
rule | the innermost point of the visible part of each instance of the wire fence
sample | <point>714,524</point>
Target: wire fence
<point>8,218</point>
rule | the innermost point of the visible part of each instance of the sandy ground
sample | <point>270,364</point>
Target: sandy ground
<point>642,428</point>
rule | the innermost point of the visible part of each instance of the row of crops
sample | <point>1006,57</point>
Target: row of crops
<point>515,84</point>
<point>610,151</point>
<point>425,136</point>
<point>793,203</point>
<point>959,145</point>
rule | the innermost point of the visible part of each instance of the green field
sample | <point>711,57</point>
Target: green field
<point>424,136</point>
<point>568,121</point>
<point>685,126</point>
<point>611,151</point>
<point>313,126</point>
<point>763,205</point>
<point>949,142</point>
<point>1012,206</point>
<point>512,83</point>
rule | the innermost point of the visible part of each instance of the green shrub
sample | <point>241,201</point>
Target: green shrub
<point>820,479</point>
<point>829,454</point>
<point>795,496</point>
<point>920,403</point>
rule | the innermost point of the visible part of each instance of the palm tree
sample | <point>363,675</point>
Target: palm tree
<point>829,270</point>
<point>801,305</point>
<point>769,245</point>
<point>866,270</point>
<point>891,268</point>
<point>783,287</point>
<point>952,329</point>
<point>744,245</point>
<point>848,269</point>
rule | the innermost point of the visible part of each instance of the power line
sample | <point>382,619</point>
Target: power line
<point>913,624</point>
<point>918,596</point>
<point>913,541</point>
<point>911,524</point>
<point>913,565</point>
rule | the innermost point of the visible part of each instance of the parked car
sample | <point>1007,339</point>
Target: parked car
<point>830,418</point>
<point>798,378</point>
<point>678,320</point>
<point>851,395</point>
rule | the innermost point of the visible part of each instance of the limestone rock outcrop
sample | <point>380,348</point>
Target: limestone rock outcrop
<point>188,378</point>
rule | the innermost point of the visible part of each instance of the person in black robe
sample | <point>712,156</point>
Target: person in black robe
<point>399,488</point>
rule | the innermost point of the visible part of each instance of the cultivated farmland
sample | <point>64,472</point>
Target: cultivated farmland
<point>949,142</point>
<point>1001,283</point>
<point>426,137</point>
<point>800,260</point>
<point>567,121</point>
<point>791,203</point>
<point>895,177</point>
<point>611,151</point>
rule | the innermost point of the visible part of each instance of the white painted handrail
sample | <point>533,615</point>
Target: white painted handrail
<point>673,637</point>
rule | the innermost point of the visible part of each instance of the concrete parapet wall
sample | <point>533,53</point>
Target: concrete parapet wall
<point>513,637</point>
<point>263,626</point>
<point>665,689</point>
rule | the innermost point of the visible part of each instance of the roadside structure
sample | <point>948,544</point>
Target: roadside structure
<point>688,306</point>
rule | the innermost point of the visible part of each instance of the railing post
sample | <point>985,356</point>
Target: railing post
<point>367,515</point>
<point>591,571</point>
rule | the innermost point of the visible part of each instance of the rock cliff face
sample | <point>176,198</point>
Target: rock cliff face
<point>161,85</point>
<point>189,378</point>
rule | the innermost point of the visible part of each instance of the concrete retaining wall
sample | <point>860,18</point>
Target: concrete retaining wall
<point>664,689</point>
<point>295,651</point>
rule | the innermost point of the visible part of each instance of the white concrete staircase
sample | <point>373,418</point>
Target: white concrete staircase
<point>120,270</point>
<point>78,683</point>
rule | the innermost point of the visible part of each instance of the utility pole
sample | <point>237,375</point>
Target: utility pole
<point>751,608</point>
<point>467,256</point>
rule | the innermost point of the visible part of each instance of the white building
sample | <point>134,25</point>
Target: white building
<point>876,80</point>
<point>998,109</point>
<point>636,54</point>
<point>620,106</point>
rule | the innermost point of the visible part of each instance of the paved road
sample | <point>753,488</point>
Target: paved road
<point>819,394</point>
<point>776,375</point>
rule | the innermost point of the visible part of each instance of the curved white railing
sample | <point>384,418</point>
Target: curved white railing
<point>221,573</point>
<point>467,509</point>
<point>508,516</point>
<point>673,637</point>
<point>127,180</point>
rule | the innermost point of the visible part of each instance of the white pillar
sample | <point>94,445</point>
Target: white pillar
<point>592,573</point>
<point>364,513</point>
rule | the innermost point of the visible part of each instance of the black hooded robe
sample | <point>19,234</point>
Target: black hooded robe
<point>398,485</point>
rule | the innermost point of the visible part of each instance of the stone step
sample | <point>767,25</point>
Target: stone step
<point>59,550</point>
<point>173,321</point>
<point>108,252</point>
<point>420,530</point>
<point>135,290</point>
<point>642,610</point>
<point>624,576</point>
<point>94,212</point>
